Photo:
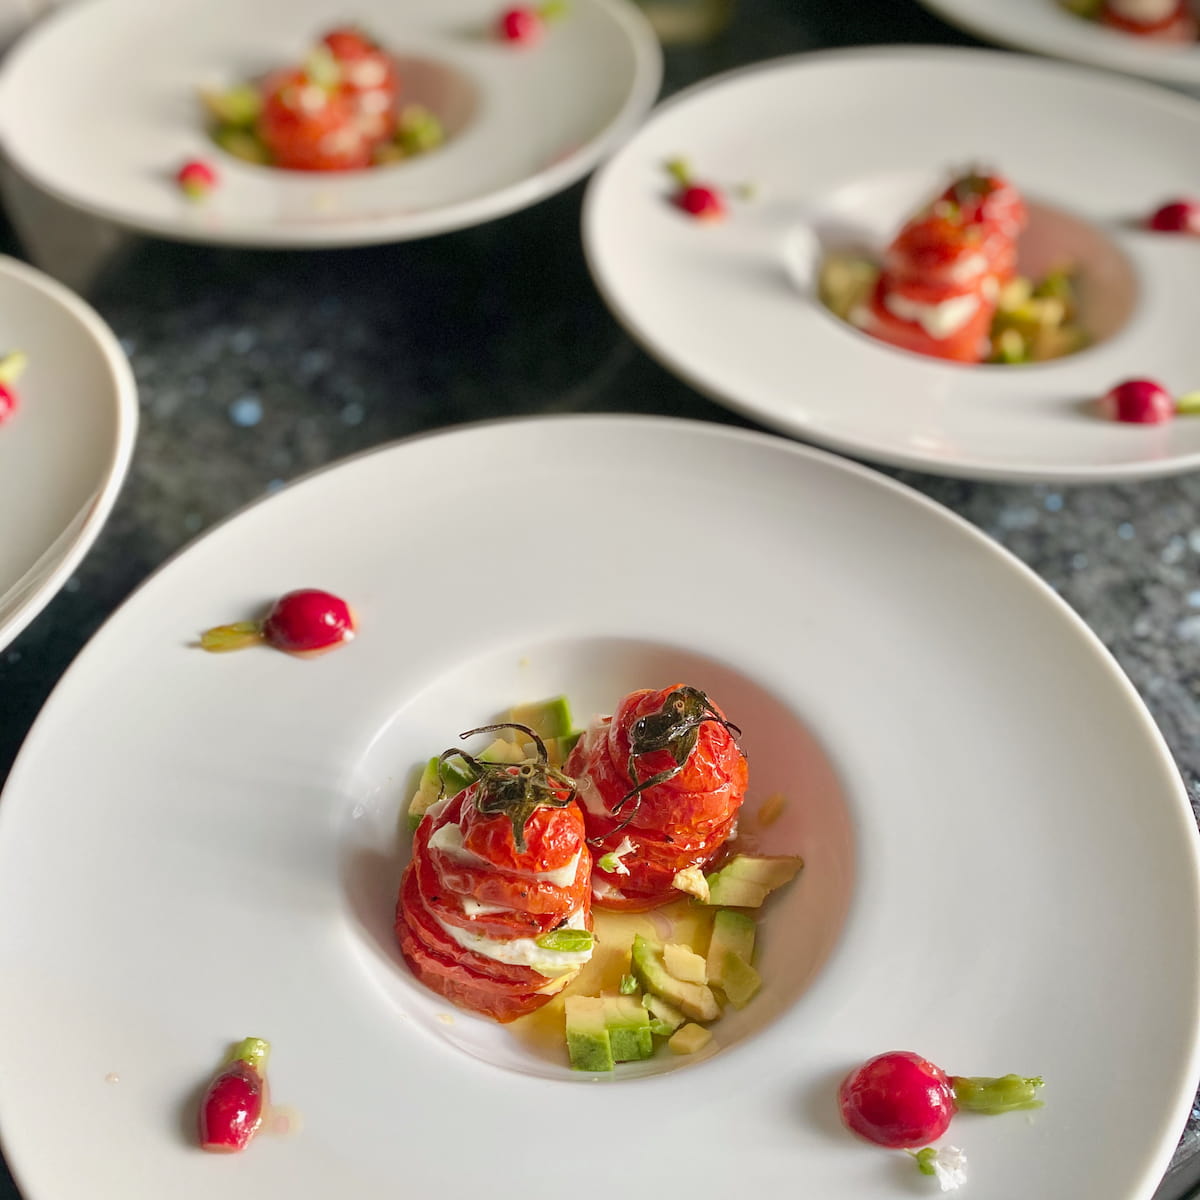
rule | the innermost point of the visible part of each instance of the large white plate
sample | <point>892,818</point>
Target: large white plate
<point>1046,27</point>
<point>64,455</point>
<point>732,307</point>
<point>1001,863</point>
<point>104,129</point>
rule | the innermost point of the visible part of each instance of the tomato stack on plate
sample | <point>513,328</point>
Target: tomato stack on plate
<point>936,294</point>
<point>661,782</point>
<point>479,896</point>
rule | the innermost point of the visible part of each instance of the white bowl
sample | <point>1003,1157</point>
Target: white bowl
<point>104,129</point>
<point>1001,863</point>
<point>1045,27</point>
<point>732,307</point>
<point>64,455</point>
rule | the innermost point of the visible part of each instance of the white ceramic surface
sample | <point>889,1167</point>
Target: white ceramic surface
<point>196,848</point>
<point>1045,27</point>
<point>104,129</point>
<point>732,306</point>
<point>64,455</point>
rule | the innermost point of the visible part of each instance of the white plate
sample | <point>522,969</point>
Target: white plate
<point>1001,863</point>
<point>1046,28</point>
<point>104,130</point>
<point>64,455</point>
<point>732,307</point>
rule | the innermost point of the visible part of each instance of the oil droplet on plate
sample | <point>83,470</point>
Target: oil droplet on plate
<point>112,1077</point>
<point>282,1121</point>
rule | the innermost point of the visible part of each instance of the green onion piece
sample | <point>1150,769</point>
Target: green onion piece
<point>679,170</point>
<point>609,863</point>
<point>924,1160</point>
<point>629,985</point>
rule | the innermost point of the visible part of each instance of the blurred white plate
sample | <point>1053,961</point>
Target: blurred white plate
<point>1001,866</point>
<point>104,128</point>
<point>64,455</point>
<point>732,307</point>
<point>1045,27</point>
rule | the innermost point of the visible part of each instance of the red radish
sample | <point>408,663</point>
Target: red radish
<point>232,1108</point>
<point>1138,402</point>
<point>307,622</point>
<point>1180,216</point>
<point>522,25</point>
<point>196,179</point>
<point>897,1099</point>
<point>525,24</point>
<point>11,367</point>
<point>703,203</point>
<point>900,1099</point>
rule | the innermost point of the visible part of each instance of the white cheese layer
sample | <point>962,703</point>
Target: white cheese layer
<point>449,840</point>
<point>938,320</point>
<point>524,952</point>
<point>605,891</point>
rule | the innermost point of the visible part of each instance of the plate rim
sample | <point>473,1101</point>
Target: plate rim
<point>1158,1155</point>
<point>328,235</point>
<point>958,469</point>
<point>120,454</point>
<point>950,12</point>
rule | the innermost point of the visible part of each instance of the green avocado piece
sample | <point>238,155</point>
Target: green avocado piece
<point>547,718</point>
<point>739,980</point>
<point>768,873</point>
<point>664,1018</point>
<point>588,1041</point>
<point>733,933</point>
<point>456,775</point>
<point>694,999</point>
<point>738,893</point>
<point>425,795</point>
<point>242,143</point>
<point>238,106</point>
<point>628,1028</point>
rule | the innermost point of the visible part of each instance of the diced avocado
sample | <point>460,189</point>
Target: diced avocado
<point>237,106</point>
<point>745,880</point>
<point>738,893</point>
<point>664,1018</point>
<point>692,881</point>
<point>547,718</point>
<point>242,143</point>
<point>733,933</point>
<point>504,751</point>
<point>588,1042</point>
<point>419,130</point>
<point>684,963</point>
<point>695,999</point>
<point>425,795</point>
<point>1014,294</point>
<point>1009,346</point>
<point>455,775</point>
<point>628,1028</point>
<point>739,980</point>
<point>559,749</point>
<point>767,872</point>
<point>845,282</point>
<point>689,1039</point>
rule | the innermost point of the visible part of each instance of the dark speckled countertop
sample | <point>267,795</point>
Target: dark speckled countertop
<point>254,368</point>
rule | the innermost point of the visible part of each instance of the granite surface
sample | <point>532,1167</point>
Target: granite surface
<point>254,368</point>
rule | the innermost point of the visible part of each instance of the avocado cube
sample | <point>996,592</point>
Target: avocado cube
<point>684,963</point>
<point>739,980</point>
<point>588,1042</point>
<point>238,106</point>
<point>428,788</point>
<point>628,1028</point>
<point>694,999</point>
<point>664,1018</point>
<point>547,718</point>
<point>242,143</point>
<point>733,933</point>
<point>737,893</point>
<point>690,1039</point>
<point>456,775</point>
<point>767,872</point>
